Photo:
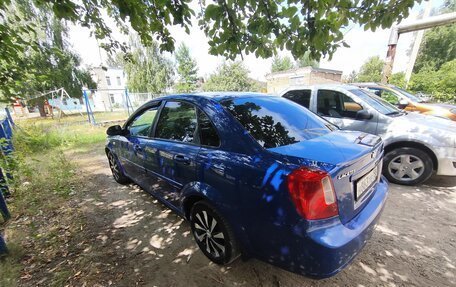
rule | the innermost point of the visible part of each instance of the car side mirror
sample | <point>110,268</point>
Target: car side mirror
<point>402,104</point>
<point>116,131</point>
<point>364,115</point>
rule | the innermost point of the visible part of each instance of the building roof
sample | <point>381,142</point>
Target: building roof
<point>303,70</point>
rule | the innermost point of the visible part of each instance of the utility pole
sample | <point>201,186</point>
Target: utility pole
<point>430,22</point>
<point>416,45</point>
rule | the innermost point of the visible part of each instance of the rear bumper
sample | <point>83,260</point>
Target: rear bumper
<point>323,248</point>
<point>446,157</point>
<point>342,242</point>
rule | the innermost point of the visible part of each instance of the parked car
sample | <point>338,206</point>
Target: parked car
<point>257,175</point>
<point>415,145</point>
<point>410,102</point>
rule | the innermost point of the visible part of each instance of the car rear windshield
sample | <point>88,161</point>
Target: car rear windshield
<point>275,121</point>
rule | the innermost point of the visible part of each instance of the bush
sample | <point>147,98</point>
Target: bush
<point>441,84</point>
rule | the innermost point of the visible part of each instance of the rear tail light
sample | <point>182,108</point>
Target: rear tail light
<point>312,193</point>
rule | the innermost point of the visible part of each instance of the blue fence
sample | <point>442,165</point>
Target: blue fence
<point>6,133</point>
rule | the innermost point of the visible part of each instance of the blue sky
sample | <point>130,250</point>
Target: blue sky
<point>363,44</point>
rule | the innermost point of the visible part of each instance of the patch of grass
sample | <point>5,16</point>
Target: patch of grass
<point>44,220</point>
<point>38,137</point>
<point>10,268</point>
<point>76,118</point>
<point>39,179</point>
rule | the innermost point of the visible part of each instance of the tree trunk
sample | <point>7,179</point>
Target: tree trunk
<point>41,109</point>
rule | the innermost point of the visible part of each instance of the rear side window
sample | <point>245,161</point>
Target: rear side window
<point>177,122</point>
<point>208,134</point>
<point>275,121</point>
<point>301,97</point>
<point>142,124</point>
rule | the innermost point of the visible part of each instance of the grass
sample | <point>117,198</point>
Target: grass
<point>41,192</point>
<point>38,136</point>
<point>77,118</point>
<point>9,268</point>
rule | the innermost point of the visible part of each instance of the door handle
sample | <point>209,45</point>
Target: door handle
<point>181,158</point>
<point>137,148</point>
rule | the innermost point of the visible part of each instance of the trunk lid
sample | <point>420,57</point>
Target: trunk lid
<point>353,159</point>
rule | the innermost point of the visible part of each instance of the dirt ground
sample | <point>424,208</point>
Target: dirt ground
<point>131,239</point>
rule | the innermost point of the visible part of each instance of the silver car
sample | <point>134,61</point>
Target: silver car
<point>416,145</point>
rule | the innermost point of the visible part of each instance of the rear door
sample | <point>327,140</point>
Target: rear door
<point>172,151</point>
<point>301,97</point>
<point>341,110</point>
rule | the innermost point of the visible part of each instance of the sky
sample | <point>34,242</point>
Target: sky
<point>363,44</point>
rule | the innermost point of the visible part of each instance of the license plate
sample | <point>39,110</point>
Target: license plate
<point>363,184</point>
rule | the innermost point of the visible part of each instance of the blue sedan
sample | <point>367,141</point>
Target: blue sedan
<point>256,175</point>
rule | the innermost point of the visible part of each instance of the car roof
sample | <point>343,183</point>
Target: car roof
<point>320,86</point>
<point>372,84</point>
<point>366,84</point>
<point>218,96</point>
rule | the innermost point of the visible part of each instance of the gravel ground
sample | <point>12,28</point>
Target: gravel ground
<point>134,240</point>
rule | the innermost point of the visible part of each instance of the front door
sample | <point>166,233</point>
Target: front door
<point>341,110</point>
<point>133,153</point>
<point>173,151</point>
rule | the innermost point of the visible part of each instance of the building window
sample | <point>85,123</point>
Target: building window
<point>112,99</point>
<point>119,83</point>
<point>108,80</point>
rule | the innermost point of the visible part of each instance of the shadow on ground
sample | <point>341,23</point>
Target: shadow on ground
<point>131,239</point>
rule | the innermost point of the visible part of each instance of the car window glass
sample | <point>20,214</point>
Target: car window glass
<point>207,134</point>
<point>337,105</point>
<point>301,97</point>
<point>376,91</point>
<point>142,124</point>
<point>407,94</point>
<point>275,121</point>
<point>390,97</point>
<point>177,122</point>
<point>375,102</point>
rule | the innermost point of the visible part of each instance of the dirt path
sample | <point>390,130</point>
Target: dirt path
<point>134,240</point>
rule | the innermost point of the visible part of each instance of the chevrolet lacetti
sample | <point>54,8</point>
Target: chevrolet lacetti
<point>256,175</point>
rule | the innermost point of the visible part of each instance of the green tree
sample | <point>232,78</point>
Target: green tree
<point>371,70</point>
<point>438,45</point>
<point>48,65</point>
<point>352,77</point>
<point>186,69</point>
<point>441,84</point>
<point>398,79</point>
<point>147,69</point>
<point>230,77</point>
<point>306,60</point>
<point>233,27</point>
<point>281,64</point>
<point>116,60</point>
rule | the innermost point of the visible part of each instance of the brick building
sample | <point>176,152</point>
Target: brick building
<point>279,81</point>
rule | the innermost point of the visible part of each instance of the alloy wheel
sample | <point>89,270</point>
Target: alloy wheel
<point>209,234</point>
<point>114,166</point>
<point>406,167</point>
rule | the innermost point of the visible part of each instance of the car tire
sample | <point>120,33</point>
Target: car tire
<point>213,234</point>
<point>407,166</point>
<point>116,171</point>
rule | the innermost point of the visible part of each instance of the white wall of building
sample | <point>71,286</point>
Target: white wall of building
<point>110,94</point>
